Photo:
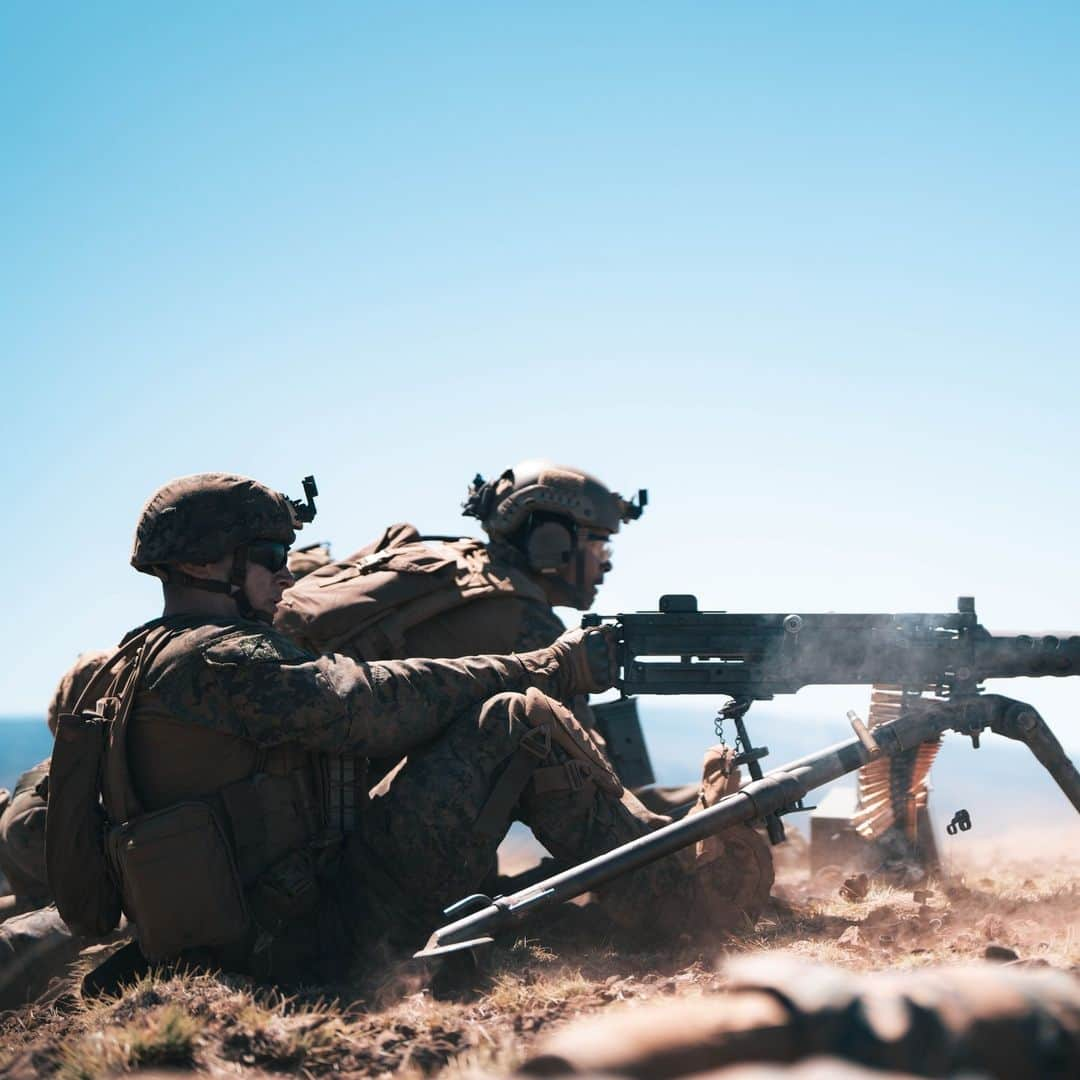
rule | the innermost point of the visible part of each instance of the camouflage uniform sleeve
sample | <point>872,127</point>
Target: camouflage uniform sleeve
<point>259,685</point>
<point>539,627</point>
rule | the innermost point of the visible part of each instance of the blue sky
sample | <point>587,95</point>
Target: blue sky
<point>808,272</point>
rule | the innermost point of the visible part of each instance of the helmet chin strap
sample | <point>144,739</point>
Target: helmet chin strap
<point>233,588</point>
<point>237,580</point>
<point>569,593</point>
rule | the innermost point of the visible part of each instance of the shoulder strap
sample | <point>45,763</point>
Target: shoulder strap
<point>121,801</point>
<point>105,677</point>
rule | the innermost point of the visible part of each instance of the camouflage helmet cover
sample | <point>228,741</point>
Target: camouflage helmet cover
<point>204,517</point>
<point>541,486</point>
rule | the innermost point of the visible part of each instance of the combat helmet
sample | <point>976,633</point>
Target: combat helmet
<point>544,510</point>
<point>203,518</point>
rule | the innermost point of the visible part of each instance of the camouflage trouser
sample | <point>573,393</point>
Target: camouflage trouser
<point>22,847</point>
<point>430,834</point>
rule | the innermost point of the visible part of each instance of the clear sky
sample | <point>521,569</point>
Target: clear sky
<point>807,271</point>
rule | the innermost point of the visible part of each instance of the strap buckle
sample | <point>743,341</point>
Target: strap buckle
<point>537,742</point>
<point>578,774</point>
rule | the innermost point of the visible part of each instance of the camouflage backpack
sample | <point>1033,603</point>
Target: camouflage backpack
<point>365,604</point>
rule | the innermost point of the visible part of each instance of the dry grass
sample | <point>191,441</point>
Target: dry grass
<point>227,1026</point>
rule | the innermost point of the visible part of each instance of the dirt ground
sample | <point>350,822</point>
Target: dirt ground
<point>1012,900</point>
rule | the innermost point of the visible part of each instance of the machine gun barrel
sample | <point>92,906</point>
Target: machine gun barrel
<point>773,792</point>
<point>680,650</point>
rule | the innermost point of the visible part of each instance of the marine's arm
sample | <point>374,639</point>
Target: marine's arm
<point>538,626</point>
<point>258,685</point>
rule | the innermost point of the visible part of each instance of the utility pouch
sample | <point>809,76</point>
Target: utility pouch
<point>179,880</point>
<point>78,870</point>
<point>286,892</point>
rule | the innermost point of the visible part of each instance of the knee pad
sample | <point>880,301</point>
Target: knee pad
<point>549,754</point>
<point>585,762</point>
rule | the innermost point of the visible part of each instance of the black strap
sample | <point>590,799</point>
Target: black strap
<point>234,587</point>
<point>178,577</point>
<point>534,748</point>
<point>238,578</point>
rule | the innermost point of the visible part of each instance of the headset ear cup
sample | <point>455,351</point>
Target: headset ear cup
<point>549,547</point>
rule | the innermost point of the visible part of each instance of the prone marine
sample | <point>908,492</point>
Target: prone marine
<point>782,1017</point>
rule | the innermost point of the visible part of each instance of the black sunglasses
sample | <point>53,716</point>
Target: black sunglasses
<point>271,554</point>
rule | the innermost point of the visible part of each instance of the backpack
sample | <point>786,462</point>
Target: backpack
<point>80,877</point>
<point>172,871</point>
<point>365,604</point>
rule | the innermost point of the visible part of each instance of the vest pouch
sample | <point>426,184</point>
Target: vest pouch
<point>286,892</point>
<point>80,877</point>
<point>179,879</point>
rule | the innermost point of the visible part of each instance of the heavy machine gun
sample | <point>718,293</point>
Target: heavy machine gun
<point>753,657</point>
<point>680,650</point>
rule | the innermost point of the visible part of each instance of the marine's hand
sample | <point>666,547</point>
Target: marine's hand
<point>587,660</point>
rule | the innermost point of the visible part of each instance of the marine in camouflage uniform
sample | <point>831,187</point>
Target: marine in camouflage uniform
<point>22,823</point>
<point>229,712</point>
<point>549,533</point>
<point>549,529</point>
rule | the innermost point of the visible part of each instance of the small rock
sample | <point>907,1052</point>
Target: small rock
<point>850,937</point>
<point>1000,954</point>
<point>855,888</point>
<point>883,915</point>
